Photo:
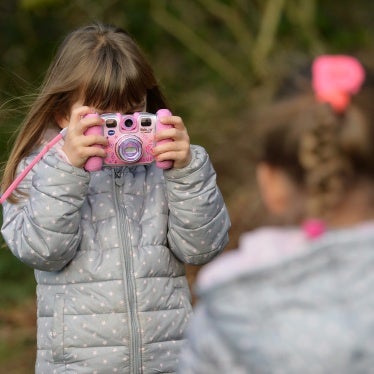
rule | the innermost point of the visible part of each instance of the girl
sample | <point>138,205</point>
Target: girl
<point>108,247</point>
<point>299,298</point>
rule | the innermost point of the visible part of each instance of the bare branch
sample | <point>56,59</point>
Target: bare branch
<point>267,35</point>
<point>233,22</point>
<point>197,45</point>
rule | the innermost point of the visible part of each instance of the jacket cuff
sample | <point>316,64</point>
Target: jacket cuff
<point>56,160</point>
<point>198,157</point>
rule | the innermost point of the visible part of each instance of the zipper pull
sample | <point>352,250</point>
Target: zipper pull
<point>119,176</point>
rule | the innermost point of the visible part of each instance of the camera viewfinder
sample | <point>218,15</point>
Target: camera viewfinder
<point>146,121</point>
<point>111,123</point>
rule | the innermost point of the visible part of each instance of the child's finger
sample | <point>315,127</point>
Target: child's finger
<point>82,118</point>
<point>175,121</point>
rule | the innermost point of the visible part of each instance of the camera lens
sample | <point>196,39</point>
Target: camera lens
<point>129,149</point>
<point>128,122</point>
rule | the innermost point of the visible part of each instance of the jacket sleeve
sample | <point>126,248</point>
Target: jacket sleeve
<point>198,218</point>
<point>43,230</point>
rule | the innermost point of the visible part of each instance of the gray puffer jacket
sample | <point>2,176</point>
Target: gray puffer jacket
<point>282,304</point>
<point>108,250</point>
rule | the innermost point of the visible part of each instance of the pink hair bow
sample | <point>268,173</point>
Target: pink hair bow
<point>335,78</point>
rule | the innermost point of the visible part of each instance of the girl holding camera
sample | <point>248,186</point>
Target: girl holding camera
<point>108,247</point>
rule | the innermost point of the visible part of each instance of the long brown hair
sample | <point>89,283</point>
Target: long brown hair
<point>99,64</point>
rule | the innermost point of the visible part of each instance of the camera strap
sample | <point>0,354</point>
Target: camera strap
<point>39,156</point>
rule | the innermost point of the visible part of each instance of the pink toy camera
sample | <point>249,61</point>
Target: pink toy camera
<point>131,139</point>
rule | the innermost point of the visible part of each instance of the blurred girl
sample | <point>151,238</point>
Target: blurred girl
<point>108,247</point>
<point>299,298</point>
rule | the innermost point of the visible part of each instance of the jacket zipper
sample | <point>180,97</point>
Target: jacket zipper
<point>128,278</point>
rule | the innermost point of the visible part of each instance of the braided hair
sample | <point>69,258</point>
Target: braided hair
<point>325,151</point>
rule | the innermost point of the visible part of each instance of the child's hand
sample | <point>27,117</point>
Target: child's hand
<point>79,147</point>
<point>179,149</point>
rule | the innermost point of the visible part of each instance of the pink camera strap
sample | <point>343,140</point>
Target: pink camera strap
<point>40,155</point>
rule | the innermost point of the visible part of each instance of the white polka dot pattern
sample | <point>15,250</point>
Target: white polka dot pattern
<point>108,249</point>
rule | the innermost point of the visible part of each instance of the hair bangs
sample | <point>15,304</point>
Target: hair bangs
<point>109,86</point>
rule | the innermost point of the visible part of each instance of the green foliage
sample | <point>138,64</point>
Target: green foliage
<point>17,280</point>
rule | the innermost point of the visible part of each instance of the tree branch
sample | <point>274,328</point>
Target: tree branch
<point>196,44</point>
<point>233,22</point>
<point>267,35</point>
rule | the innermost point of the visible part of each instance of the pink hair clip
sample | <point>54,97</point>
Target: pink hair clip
<point>314,228</point>
<point>335,78</point>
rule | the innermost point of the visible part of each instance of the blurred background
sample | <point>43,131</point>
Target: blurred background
<point>217,60</point>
